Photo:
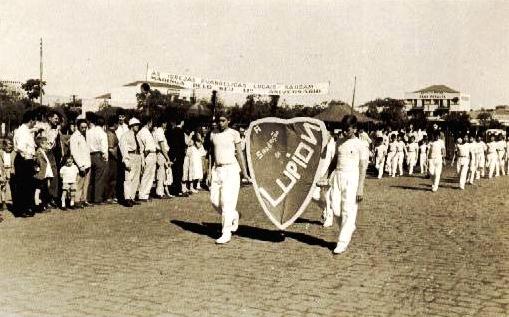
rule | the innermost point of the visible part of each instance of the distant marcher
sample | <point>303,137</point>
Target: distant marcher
<point>412,148</point>
<point>423,155</point>
<point>461,156</point>
<point>380,154</point>
<point>481,161</point>
<point>436,160</point>
<point>501,154</point>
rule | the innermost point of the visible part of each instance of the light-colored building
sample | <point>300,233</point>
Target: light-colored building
<point>500,113</point>
<point>437,100</point>
<point>125,96</point>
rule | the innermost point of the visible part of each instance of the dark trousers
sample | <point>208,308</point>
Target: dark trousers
<point>23,196</point>
<point>178,172</point>
<point>110,189</point>
<point>97,177</point>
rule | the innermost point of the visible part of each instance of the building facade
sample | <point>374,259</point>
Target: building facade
<point>436,101</point>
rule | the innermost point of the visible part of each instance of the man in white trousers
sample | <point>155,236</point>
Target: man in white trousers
<point>148,149</point>
<point>323,188</point>
<point>131,158</point>
<point>347,181</point>
<point>436,160</point>
<point>225,175</point>
<point>461,154</point>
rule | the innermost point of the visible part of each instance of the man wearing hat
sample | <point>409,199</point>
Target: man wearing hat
<point>131,158</point>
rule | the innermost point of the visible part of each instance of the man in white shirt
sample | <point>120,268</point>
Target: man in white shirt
<point>24,165</point>
<point>347,181</point>
<point>122,126</point>
<point>148,151</point>
<point>225,178</point>
<point>163,160</point>
<point>97,140</point>
<point>436,154</point>
<point>462,158</point>
<point>131,158</point>
<point>80,152</point>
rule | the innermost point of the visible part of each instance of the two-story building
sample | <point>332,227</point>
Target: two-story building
<point>436,101</point>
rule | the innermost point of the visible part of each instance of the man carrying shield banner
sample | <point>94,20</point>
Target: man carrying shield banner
<point>225,177</point>
<point>347,181</point>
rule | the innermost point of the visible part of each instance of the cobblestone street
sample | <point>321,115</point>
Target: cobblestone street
<point>415,253</point>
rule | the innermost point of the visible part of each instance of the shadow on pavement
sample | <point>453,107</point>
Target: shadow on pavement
<point>213,230</point>
<point>411,188</point>
<point>311,222</point>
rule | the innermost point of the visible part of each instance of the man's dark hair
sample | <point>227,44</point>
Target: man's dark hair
<point>158,121</point>
<point>349,120</point>
<point>28,116</point>
<point>145,119</point>
<point>112,121</point>
<point>91,117</point>
<point>80,121</point>
<point>99,121</point>
<point>145,87</point>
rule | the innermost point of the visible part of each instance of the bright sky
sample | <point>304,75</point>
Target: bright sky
<point>391,46</point>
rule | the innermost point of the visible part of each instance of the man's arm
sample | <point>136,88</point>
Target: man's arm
<point>240,157</point>
<point>363,166</point>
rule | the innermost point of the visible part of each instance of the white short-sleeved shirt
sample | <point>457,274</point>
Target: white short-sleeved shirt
<point>413,147</point>
<point>69,174</point>
<point>422,149</point>
<point>350,153</point>
<point>435,149</point>
<point>159,137</point>
<point>393,147</point>
<point>224,145</point>
<point>381,151</point>
<point>400,147</point>
<point>463,149</point>
<point>492,147</point>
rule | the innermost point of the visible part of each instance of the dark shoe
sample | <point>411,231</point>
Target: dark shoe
<point>63,208</point>
<point>128,203</point>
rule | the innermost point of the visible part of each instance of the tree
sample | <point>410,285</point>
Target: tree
<point>33,88</point>
<point>458,122</point>
<point>393,112</point>
<point>484,118</point>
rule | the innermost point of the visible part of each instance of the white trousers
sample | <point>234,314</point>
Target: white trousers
<point>423,164</point>
<point>501,162</point>
<point>435,170</point>
<point>492,164</point>
<point>462,169</point>
<point>132,177</point>
<point>160,174</point>
<point>388,162</point>
<point>379,164</point>
<point>148,176</point>
<point>224,192</point>
<point>411,161</point>
<point>343,197</point>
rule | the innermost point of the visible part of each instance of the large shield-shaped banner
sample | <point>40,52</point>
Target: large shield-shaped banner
<point>284,159</point>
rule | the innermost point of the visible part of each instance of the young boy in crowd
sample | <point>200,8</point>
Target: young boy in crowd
<point>7,162</point>
<point>43,173</point>
<point>380,154</point>
<point>69,174</point>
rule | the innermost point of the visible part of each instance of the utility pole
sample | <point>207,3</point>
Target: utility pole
<point>74,101</point>
<point>353,97</point>
<point>40,75</point>
<point>214,103</point>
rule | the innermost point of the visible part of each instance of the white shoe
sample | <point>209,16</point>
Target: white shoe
<point>225,238</point>
<point>340,248</point>
<point>328,222</point>
<point>235,224</point>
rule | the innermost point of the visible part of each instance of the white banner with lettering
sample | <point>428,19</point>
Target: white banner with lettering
<point>190,82</point>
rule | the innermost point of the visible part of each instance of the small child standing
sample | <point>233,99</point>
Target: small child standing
<point>7,159</point>
<point>196,155</point>
<point>43,173</point>
<point>168,181</point>
<point>69,174</point>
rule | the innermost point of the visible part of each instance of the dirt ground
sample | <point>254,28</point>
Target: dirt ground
<point>415,253</point>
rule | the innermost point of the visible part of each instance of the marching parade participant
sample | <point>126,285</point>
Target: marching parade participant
<point>436,160</point>
<point>392,162</point>
<point>481,158</point>
<point>225,177</point>
<point>323,188</point>
<point>501,154</point>
<point>492,157</point>
<point>380,154</point>
<point>399,158</point>
<point>473,164</point>
<point>461,156</point>
<point>423,155</point>
<point>131,158</point>
<point>347,181</point>
<point>412,148</point>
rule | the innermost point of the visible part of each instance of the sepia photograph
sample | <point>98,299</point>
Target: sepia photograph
<point>164,158</point>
